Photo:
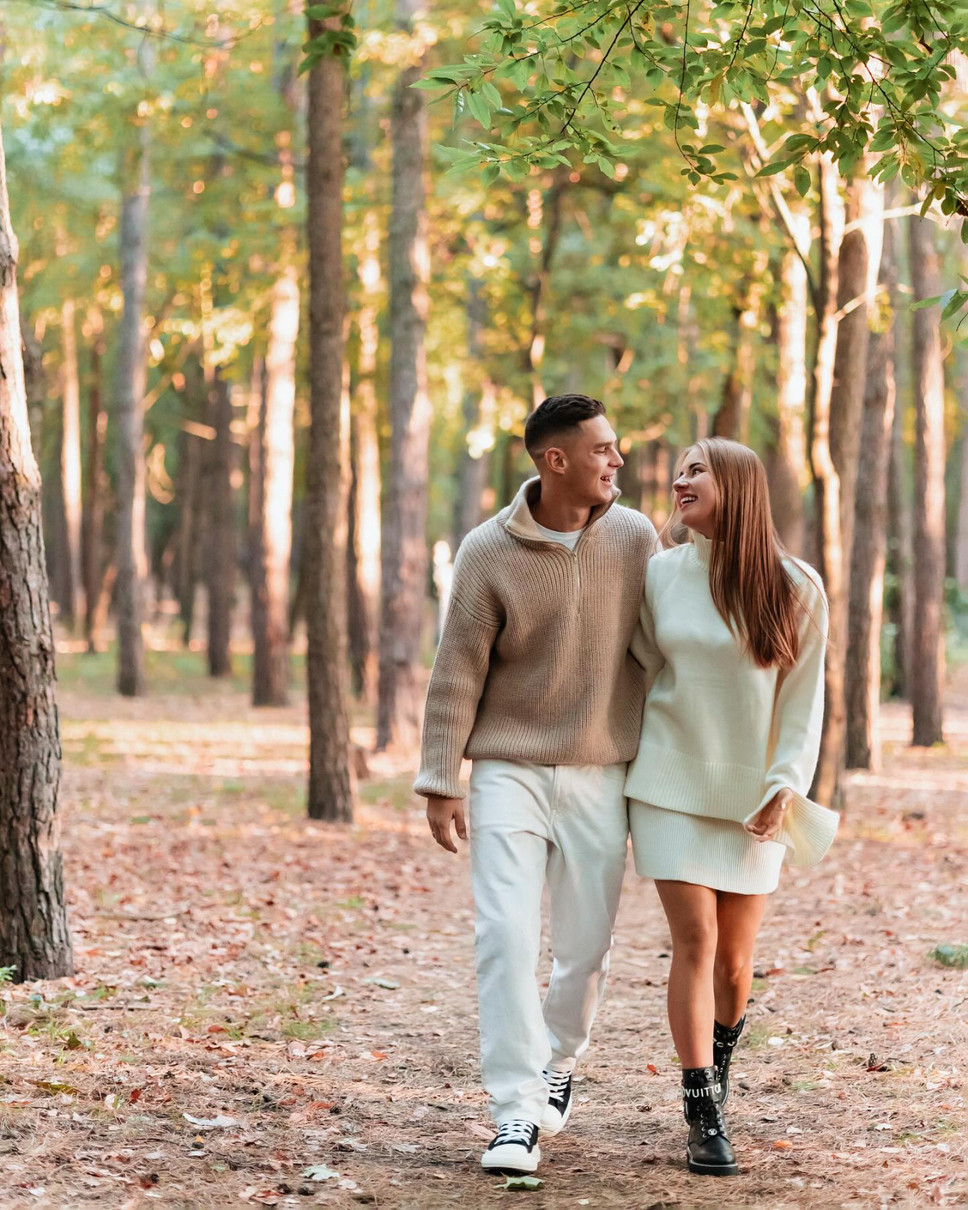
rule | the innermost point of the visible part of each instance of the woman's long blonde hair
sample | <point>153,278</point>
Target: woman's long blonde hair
<point>750,587</point>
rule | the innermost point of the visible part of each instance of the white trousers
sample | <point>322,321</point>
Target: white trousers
<point>567,826</point>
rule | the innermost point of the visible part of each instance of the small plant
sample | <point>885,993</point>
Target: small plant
<point>6,974</point>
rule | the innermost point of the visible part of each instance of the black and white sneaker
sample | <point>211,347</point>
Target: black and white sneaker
<point>558,1109</point>
<point>513,1150</point>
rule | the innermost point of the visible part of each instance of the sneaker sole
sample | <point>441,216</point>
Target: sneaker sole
<point>504,1170</point>
<point>551,1131</point>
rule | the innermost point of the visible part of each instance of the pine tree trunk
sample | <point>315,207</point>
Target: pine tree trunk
<point>869,550</point>
<point>324,547</point>
<point>364,538</point>
<point>132,558</point>
<point>961,538</point>
<point>220,523</point>
<point>478,410</point>
<point>901,555</point>
<point>827,485</point>
<point>34,939</point>
<point>71,466</point>
<point>271,558</point>
<point>788,463</point>
<point>928,658</point>
<point>404,570</point>
<point>93,512</point>
<point>732,417</point>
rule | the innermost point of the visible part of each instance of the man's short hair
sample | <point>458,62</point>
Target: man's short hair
<point>559,414</point>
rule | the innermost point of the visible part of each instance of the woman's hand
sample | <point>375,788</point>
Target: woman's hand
<point>767,822</point>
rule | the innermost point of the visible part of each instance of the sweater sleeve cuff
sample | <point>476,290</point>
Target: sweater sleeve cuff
<point>808,829</point>
<point>437,783</point>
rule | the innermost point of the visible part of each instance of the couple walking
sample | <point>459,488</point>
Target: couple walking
<point>565,619</point>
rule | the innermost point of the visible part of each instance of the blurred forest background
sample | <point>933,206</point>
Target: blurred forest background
<point>281,335</point>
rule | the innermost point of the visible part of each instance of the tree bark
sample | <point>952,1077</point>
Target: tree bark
<point>928,657</point>
<point>132,558</point>
<point>94,479</point>
<point>221,557</point>
<point>478,414</point>
<point>732,417</point>
<point>901,555</point>
<point>364,538</point>
<point>189,495</point>
<point>788,462</point>
<point>271,556</point>
<point>869,550</point>
<point>827,484</point>
<point>70,466</point>
<point>324,550</point>
<point>404,569</point>
<point>34,937</point>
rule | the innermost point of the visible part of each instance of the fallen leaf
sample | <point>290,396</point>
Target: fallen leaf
<point>782,1145</point>
<point>522,1183</point>
<point>318,1172</point>
<point>209,1123</point>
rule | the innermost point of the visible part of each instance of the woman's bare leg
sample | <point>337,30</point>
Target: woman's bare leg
<point>692,915</point>
<point>738,919</point>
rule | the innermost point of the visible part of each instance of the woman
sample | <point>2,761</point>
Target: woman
<point>732,639</point>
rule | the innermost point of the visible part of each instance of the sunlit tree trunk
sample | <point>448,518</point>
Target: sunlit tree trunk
<point>70,465</point>
<point>901,554</point>
<point>324,550</point>
<point>927,652</point>
<point>94,483</point>
<point>788,463</point>
<point>193,446</point>
<point>132,559</point>
<point>34,939</point>
<point>271,556</point>
<point>220,561</point>
<point>869,550</point>
<point>477,408</point>
<point>732,417</point>
<point>364,539</point>
<point>827,481</point>
<point>404,547</point>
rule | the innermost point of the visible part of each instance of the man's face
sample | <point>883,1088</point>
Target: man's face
<point>589,461</point>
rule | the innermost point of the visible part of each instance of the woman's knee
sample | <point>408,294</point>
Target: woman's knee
<point>732,967</point>
<point>695,939</point>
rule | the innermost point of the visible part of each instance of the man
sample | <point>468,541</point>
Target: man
<point>534,683</point>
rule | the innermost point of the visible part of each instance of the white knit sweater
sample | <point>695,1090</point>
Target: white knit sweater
<point>721,735</point>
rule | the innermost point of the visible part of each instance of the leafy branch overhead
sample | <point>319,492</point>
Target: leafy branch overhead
<point>337,37</point>
<point>856,78</point>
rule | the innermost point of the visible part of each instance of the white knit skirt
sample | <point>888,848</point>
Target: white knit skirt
<point>717,853</point>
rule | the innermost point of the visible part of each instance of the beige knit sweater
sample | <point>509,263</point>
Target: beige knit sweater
<point>534,660</point>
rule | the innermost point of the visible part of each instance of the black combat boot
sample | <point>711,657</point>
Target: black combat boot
<point>724,1041</point>
<point>708,1151</point>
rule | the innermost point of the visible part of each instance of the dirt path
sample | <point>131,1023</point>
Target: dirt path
<point>311,990</point>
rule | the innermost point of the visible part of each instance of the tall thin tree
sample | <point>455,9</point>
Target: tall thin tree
<point>132,557</point>
<point>330,794</point>
<point>928,657</point>
<point>34,938</point>
<point>404,554</point>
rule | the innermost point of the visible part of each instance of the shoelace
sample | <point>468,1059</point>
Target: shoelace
<point>557,1082</point>
<point>517,1131</point>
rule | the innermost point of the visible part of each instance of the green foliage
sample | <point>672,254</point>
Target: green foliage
<point>552,83</point>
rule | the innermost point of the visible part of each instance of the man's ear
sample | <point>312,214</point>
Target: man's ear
<point>555,460</point>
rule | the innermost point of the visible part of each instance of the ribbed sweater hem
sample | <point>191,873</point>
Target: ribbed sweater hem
<point>668,778</point>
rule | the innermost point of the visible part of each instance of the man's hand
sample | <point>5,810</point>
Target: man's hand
<point>766,823</point>
<point>440,812</point>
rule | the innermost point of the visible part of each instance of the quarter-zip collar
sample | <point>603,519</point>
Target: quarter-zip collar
<point>521,523</point>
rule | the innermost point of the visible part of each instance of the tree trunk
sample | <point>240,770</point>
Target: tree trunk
<point>132,557</point>
<point>827,484</point>
<point>324,550</point>
<point>191,485</point>
<point>403,582</point>
<point>478,414</point>
<point>70,465</point>
<point>93,512</point>
<point>34,939</point>
<point>363,543</point>
<point>869,550</point>
<point>788,461</point>
<point>901,553</point>
<point>927,652</point>
<point>961,537</point>
<point>271,557</point>
<point>220,519</point>
<point>733,415</point>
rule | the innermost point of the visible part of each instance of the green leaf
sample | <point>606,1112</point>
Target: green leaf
<point>949,954</point>
<point>522,1183</point>
<point>801,179</point>
<point>480,110</point>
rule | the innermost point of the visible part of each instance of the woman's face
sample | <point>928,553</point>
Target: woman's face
<point>695,493</point>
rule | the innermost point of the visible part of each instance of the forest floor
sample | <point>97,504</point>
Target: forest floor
<point>268,1011</point>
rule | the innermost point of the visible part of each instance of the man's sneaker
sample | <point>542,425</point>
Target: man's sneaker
<point>558,1109</point>
<point>513,1150</point>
